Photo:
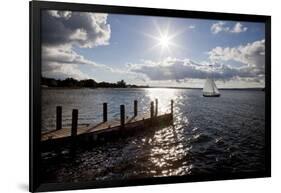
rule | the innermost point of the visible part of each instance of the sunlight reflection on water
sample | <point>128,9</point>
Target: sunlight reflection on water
<point>210,135</point>
<point>164,97</point>
<point>161,155</point>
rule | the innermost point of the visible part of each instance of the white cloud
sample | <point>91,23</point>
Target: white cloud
<point>251,54</point>
<point>250,58</point>
<point>249,70</point>
<point>186,69</point>
<point>223,27</point>
<point>219,27</point>
<point>79,35</point>
<point>238,28</point>
<point>64,54</point>
<point>62,30</point>
<point>60,14</point>
<point>63,62</point>
<point>80,28</point>
<point>63,71</point>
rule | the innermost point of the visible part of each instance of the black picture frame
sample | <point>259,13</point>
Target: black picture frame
<point>35,92</point>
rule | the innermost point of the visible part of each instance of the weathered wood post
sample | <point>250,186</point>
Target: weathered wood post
<point>135,108</point>
<point>156,107</point>
<point>122,115</point>
<point>172,107</point>
<point>74,131</point>
<point>74,123</point>
<point>58,118</point>
<point>104,112</point>
<point>151,109</point>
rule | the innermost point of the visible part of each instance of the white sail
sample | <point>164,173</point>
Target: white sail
<point>215,87</point>
<point>210,88</point>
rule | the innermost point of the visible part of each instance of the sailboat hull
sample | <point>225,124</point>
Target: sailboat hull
<point>211,95</point>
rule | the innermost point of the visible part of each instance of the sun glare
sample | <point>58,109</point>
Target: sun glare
<point>164,41</point>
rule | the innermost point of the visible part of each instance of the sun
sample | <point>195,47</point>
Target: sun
<point>164,41</point>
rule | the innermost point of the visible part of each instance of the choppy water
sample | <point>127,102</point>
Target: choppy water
<point>211,135</point>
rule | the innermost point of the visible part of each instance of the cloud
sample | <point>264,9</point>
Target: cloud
<point>238,28</point>
<point>63,70</point>
<point>219,27</point>
<point>62,62</point>
<point>169,69</point>
<point>222,27</point>
<point>251,54</point>
<point>249,66</point>
<point>77,28</point>
<point>250,58</point>
<point>61,32</point>
<point>65,54</point>
<point>186,69</point>
<point>191,27</point>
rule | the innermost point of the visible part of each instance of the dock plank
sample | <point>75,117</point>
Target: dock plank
<point>92,128</point>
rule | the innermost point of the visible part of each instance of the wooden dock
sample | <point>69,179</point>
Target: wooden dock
<point>94,131</point>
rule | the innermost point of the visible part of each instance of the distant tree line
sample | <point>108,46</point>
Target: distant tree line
<point>87,83</point>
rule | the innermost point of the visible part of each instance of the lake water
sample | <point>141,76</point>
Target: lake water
<point>211,135</point>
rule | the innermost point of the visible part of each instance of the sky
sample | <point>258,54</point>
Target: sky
<point>154,51</point>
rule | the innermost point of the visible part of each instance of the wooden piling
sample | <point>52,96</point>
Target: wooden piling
<point>74,131</point>
<point>122,115</point>
<point>135,108</point>
<point>151,109</point>
<point>104,112</point>
<point>74,123</point>
<point>156,107</point>
<point>58,118</point>
<point>172,107</point>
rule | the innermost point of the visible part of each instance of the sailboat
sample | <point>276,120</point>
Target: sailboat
<point>210,89</point>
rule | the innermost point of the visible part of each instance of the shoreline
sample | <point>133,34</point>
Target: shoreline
<point>74,88</point>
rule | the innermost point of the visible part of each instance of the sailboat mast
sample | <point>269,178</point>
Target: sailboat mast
<point>212,80</point>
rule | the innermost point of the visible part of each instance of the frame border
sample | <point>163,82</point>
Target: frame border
<point>35,8</point>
